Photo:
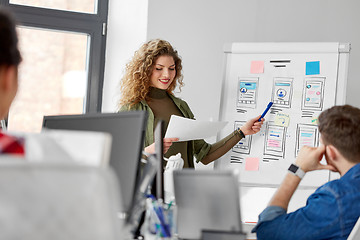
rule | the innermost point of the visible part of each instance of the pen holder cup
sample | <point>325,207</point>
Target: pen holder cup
<point>170,215</point>
<point>162,220</point>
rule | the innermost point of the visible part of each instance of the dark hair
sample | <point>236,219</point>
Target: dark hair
<point>9,52</point>
<point>340,127</point>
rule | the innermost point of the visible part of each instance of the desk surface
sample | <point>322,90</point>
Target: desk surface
<point>126,231</point>
<point>246,228</point>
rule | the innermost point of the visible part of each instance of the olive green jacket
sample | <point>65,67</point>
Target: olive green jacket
<point>197,148</point>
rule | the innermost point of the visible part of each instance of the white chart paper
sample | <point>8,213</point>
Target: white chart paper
<point>188,129</point>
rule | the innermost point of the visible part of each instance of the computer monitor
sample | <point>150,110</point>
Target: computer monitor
<point>159,148</point>
<point>206,200</point>
<point>152,168</point>
<point>127,130</point>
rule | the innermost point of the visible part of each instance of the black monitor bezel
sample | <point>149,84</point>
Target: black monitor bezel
<point>143,115</point>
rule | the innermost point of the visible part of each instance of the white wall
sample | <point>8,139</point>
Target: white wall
<point>127,28</point>
<point>198,29</point>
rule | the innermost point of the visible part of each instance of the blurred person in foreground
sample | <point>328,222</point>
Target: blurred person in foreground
<point>10,59</point>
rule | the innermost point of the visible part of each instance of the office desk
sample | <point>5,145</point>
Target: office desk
<point>126,230</point>
<point>126,234</point>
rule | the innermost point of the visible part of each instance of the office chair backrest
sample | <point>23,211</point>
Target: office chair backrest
<point>45,201</point>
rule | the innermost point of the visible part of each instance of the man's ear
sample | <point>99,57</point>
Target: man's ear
<point>332,152</point>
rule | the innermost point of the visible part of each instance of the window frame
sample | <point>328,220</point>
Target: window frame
<point>92,24</point>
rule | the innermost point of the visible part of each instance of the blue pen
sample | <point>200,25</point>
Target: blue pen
<point>266,110</point>
<point>159,213</point>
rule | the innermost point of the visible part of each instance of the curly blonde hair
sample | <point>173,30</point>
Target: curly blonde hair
<point>135,84</point>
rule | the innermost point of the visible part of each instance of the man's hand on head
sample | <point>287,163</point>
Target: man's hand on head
<point>309,159</point>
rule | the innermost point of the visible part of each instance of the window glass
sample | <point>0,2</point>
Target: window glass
<point>52,77</point>
<point>84,6</point>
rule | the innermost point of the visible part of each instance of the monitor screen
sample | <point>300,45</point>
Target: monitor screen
<point>127,130</point>
<point>206,200</point>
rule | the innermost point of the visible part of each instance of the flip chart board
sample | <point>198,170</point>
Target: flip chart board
<point>301,79</point>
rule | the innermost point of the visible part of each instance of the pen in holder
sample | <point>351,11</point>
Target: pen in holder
<point>160,217</point>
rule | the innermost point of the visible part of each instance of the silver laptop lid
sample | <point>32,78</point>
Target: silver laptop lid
<point>206,200</point>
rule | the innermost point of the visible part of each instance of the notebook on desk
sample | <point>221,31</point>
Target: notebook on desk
<point>206,200</point>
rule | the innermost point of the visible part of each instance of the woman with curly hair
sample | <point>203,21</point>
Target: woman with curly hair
<point>148,84</point>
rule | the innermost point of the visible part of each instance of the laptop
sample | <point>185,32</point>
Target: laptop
<point>206,200</point>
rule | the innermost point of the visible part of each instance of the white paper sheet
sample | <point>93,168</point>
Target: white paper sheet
<point>188,129</point>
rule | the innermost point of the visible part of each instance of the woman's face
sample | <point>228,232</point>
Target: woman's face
<point>163,72</point>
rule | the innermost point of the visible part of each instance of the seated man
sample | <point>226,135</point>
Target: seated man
<point>333,209</point>
<point>9,61</point>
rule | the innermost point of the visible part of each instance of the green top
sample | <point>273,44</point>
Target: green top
<point>161,105</point>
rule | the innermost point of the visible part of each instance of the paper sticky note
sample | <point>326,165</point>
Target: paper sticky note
<point>251,164</point>
<point>313,68</point>
<point>257,67</point>
<point>314,120</point>
<point>282,119</point>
